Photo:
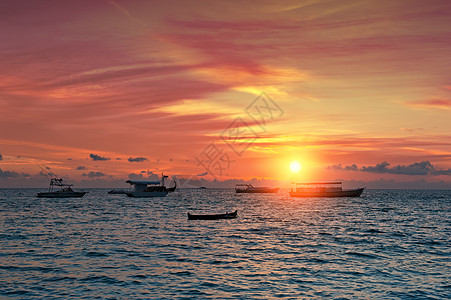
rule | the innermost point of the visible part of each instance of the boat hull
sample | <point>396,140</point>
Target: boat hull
<point>116,192</point>
<point>256,191</point>
<point>343,193</point>
<point>61,194</point>
<point>146,194</point>
<point>232,215</point>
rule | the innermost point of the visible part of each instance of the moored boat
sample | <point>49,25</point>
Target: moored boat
<point>66,190</point>
<point>146,188</point>
<point>249,188</point>
<point>231,215</point>
<point>324,189</point>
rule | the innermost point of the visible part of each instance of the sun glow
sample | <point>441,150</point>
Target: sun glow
<point>295,166</point>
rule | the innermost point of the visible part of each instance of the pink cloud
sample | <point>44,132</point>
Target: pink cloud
<point>432,103</point>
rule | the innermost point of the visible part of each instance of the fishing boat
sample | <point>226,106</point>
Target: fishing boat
<point>65,190</point>
<point>149,188</point>
<point>249,188</point>
<point>324,189</point>
<point>231,215</point>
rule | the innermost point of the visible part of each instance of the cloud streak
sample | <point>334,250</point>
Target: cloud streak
<point>94,174</point>
<point>417,168</point>
<point>432,103</point>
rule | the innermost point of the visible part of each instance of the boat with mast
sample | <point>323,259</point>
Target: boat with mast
<point>65,190</point>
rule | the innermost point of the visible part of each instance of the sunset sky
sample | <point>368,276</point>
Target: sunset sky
<point>103,91</point>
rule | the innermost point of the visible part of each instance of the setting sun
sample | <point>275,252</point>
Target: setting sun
<point>295,166</point>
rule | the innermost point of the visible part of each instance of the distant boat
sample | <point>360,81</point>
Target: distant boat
<point>65,192</point>
<point>249,188</point>
<point>324,189</point>
<point>203,188</point>
<point>149,188</point>
<point>231,215</point>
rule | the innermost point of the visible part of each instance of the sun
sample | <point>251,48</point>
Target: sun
<point>295,166</point>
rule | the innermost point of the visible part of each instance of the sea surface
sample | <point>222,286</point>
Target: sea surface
<point>387,244</point>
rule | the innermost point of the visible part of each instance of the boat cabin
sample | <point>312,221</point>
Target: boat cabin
<point>332,186</point>
<point>244,186</point>
<point>324,189</point>
<point>144,186</point>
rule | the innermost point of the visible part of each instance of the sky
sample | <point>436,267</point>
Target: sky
<point>226,91</point>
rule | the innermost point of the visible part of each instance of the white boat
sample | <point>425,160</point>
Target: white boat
<point>145,188</point>
<point>65,192</point>
<point>324,189</point>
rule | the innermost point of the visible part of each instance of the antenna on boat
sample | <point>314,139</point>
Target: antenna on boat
<point>54,179</point>
<point>45,171</point>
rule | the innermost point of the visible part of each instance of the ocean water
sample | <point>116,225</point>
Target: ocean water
<point>387,244</point>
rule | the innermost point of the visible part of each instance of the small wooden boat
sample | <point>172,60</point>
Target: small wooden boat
<point>231,215</point>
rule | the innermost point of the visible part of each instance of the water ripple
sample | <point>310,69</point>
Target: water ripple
<point>384,245</point>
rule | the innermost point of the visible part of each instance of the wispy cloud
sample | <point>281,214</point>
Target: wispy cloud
<point>432,103</point>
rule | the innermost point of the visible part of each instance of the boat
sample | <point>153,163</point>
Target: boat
<point>249,188</point>
<point>324,189</point>
<point>149,188</point>
<point>66,190</point>
<point>231,215</point>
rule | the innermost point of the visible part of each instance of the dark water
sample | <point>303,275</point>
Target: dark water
<point>384,245</point>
